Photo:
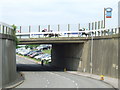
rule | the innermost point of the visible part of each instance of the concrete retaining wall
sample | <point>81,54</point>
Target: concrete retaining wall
<point>105,57</point>
<point>8,72</point>
<point>78,56</point>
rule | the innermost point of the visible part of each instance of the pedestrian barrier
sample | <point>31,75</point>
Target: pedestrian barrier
<point>6,29</point>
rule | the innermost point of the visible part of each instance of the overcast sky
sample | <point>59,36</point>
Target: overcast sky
<point>35,12</point>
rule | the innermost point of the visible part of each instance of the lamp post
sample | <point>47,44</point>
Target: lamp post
<point>91,59</point>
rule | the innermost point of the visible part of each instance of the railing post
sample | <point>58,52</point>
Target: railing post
<point>58,27</point>
<point>89,26</point>
<point>29,30</point>
<point>6,30</point>
<point>0,28</point>
<point>20,31</point>
<point>112,31</point>
<point>48,28</point>
<point>68,29</point>
<point>115,30</point>
<point>98,24</point>
<point>99,33</point>
<point>39,30</point>
<point>3,29</point>
<point>78,30</point>
<point>92,25</point>
<point>10,31</point>
<point>102,24</point>
<point>95,28</point>
<point>92,28</point>
<point>118,30</point>
<point>108,32</point>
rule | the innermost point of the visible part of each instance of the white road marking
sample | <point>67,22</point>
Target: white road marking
<point>66,78</point>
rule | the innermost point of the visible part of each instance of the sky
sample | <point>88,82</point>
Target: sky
<point>53,12</point>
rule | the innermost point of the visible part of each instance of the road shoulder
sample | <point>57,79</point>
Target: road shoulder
<point>111,81</point>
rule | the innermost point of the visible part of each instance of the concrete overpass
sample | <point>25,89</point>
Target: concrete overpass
<point>79,53</point>
<point>96,55</point>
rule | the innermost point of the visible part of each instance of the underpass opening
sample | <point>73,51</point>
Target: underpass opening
<point>63,56</point>
<point>67,56</point>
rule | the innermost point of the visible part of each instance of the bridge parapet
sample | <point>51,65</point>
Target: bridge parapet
<point>6,29</point>
<point>80,33</point>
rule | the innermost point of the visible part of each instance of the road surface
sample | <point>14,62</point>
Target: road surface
<point>37,76</point>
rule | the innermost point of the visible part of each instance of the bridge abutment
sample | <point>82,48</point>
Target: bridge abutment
<point>104,56</point>
<point>99,55</point>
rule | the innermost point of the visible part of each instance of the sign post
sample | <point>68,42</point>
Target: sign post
<point>107,14</point>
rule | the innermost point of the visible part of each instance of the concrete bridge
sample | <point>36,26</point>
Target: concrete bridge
<point>96,54</point>
<point>86,54</point>
<point>83,53</point>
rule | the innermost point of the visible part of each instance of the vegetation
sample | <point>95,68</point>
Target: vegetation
<point>31,46</point>
<point>18,46</point>
<point>47,51</point>
<point>14,31</point>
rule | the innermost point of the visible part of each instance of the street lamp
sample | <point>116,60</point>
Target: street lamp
<point>91,60</point>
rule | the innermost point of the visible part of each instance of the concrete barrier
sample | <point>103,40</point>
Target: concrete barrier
<point>8,72</point>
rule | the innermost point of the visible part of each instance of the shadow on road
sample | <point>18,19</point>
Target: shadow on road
<point>37,67</point>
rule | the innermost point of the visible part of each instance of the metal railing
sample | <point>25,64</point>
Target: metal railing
<point>6,29</point>
<point>80,33</point>
<point>105,32</point>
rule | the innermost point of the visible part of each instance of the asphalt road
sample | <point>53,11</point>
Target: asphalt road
<point>37,76</point>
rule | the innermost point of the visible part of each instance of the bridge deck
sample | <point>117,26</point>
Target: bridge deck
<point>51,40</point>
<point>28,41</point>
